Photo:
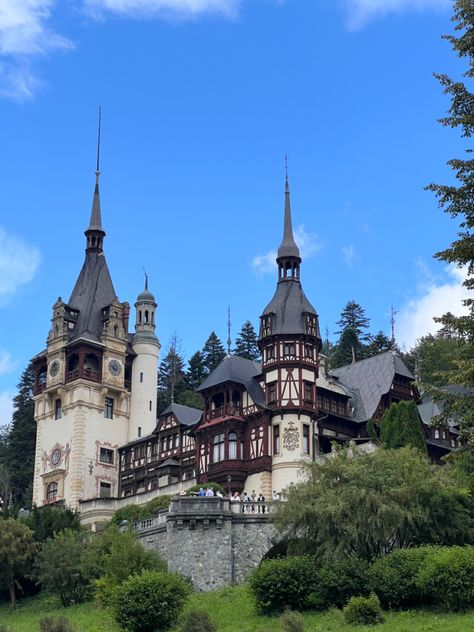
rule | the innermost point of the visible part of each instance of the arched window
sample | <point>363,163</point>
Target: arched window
<point>146,317</point>
<point>232,445</point>
<point>52,491</point>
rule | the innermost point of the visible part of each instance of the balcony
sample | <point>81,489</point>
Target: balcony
<point>83,374</point>
<point>228,410</point>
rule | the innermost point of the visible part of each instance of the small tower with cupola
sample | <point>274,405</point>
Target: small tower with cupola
<point>146,348</point>
<point>290,342</point>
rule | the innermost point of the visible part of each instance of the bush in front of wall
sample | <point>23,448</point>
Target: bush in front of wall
<point>197,621</point>
<point>447,577</point>
<point>363,611</point>
<point>291,621</point>
<point>339,580</point>
<point>56,624</point>
<point>284,583</point>
<point>393,577</point>
<point>149,602</point>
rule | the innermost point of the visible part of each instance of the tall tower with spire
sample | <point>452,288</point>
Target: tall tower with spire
<point>84,382</point>
<point>290,343</point>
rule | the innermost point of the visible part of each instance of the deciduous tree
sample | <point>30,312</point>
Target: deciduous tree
<point>17,549</point>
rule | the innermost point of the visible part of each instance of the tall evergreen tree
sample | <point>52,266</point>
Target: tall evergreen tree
<point>378,344</point>
<point>20,458</point>
<point>171,376</point>
<point>196,372</point>
<point>213,352</point>
<point>353,317</point>
<point>458,201</point>
<point>246,343</point>
<point>351,345</point>
<point>400,426</point>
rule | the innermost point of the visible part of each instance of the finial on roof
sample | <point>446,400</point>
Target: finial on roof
<point>97,170</point>
<point>288,247</point>
<point>96,220</point>
<point>146,278</point>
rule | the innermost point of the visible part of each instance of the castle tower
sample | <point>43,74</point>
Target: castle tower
<point>146,346</point>
<point>82,384</point>
<point>290,342</point>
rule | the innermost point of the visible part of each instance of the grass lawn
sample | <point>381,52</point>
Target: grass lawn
<point>232,610</point>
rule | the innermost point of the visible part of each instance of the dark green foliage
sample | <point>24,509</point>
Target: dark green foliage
<point>394,577</point>
<point>370,504</point>
<point>213,353</point>
<point>348,349</point>
<point>291,621</point>
<point>20,453</point>
<point>56,624</point>
<point>284,583</point>
<point>191,399</point>
<point>338,580</point>
<point>196,372</point>
<point>149,602</point>
<point>171,376</point>
<point>378,344</point>
<point>447,577</point>
<point>246,343</point>
<point>197,621</point>
<point>58,566</point>
<point>130,513</point>
<point>363,611</point>
<point>372,427</point>
<point>113,556</point>
<point>401,426</point>
<point>48,520</point>
<point>353,317</point>
<point>433,356</point>
<point>17,550</point>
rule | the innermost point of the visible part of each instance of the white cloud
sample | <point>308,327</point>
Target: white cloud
<point>18,263</point>
<point>153,8</point>
<point>436,297</point>
<point>6,407</point>
<point>25,34</point>
<point>348,252</point>
<point>362,11</point>
<point>7,363</point>
<point>308,243</point>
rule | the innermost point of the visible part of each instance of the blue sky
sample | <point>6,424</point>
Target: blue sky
<point>201,99</point>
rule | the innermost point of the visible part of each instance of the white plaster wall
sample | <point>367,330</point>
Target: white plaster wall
<point>144,392</point>
<point>286,465</point>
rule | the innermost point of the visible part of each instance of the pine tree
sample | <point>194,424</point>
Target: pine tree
<point>21,443</point>
<point>378,344</point>
<point>458,202</point>
<point>246,344</point>
<point>353,317</point>
<point>351,345</point>
<point>171,376</point>
<point>196,372</point>
<point>213,352</point>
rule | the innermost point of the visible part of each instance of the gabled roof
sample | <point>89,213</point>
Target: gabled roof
<point>93,291</point>
<point>184,414</point>
<point>371,378</point>
<point>239,370</point>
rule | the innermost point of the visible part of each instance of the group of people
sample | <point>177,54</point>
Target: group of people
<point>251,503</point>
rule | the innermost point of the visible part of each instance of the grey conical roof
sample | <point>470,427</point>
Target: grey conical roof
<point>289,307</point>
<point>96,219</point>
<point>288,247</point>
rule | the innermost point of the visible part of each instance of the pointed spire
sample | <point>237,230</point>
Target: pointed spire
<point>96,220</point>
<point>288,247</point>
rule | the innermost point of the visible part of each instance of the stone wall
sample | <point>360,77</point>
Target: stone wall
<point>209,540</point>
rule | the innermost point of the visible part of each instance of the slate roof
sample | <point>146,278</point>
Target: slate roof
<point>288,307</point>
<point>239,370</point>
<point>184,414</point>
<point>288,247</point>
<point>430,408</point>
<point>369,379</point>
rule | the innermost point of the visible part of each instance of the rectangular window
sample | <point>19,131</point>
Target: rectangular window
<point>272,392</point>
<point>154,448</point>
<point>436,434</point>
<point>271,353</point>
<point>276,439</point>
<point>308,352</point>
<point>150,405</point>
<point>105,490</point>
<point>141,377</point>
<point>305,439</point>
<point>333,406</point>
<point>308,392</point>
<point>139,431</point>
<point>58,410</point>
<point>106,456</point>
<point>218,448</point>
<point>109,408</point>
<point>289,350</point>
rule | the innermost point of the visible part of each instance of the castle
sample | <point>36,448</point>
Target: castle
<point>100,444</point>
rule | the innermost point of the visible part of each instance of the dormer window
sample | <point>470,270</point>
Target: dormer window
<point>266,326</point>
<point>311,325</point>
<point>270,353</point>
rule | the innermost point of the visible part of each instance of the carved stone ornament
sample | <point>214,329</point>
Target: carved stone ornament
<point>291,437</point>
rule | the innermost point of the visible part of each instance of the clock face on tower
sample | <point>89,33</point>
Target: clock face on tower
<point>115,367</point>
<point>54,368</point>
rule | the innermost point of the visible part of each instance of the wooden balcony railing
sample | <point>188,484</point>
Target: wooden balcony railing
<point>229,410</point>
<point>83,374</point>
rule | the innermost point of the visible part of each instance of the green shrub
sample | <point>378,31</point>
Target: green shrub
<point>447,577</point>
<point>214,486</point>
<point>339,580</point>
<point>291,621</point>
<point>149,602</point>
<point>197,621</point>
<point>393,577</point>
<point>130,513</point>
<point>363,611</point>
<point>56,624</point>
<point>283,583</point>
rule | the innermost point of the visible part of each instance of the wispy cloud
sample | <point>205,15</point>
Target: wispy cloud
<point>18,263</point>
<point>435,297</point>
<point>24,35</point>
<point>308,243</point>
<point>359,12</point>
<point>6,407</point>
<point>348,252</point>
<point>7,364</point>
<point>166,8</point>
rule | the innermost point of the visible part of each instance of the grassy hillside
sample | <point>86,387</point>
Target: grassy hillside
<point>232,610</point>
